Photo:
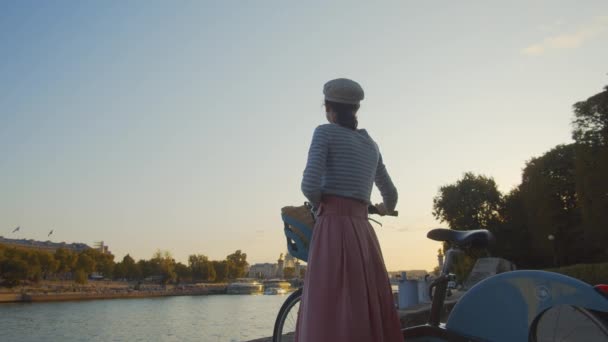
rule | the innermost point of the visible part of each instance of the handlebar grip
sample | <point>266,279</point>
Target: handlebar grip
<point>373,210</point>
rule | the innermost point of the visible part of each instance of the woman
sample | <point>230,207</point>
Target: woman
<point>347,294</point>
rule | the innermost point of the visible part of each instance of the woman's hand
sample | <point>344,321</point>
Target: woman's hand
<point>382,210</point>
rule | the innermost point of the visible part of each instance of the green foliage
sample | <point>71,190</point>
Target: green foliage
<point>591,184</point>
<point>558,214</point>
<point>48,264</point>
<point>146,268</point>
<point>472,203</point>
<point>221,270</point>
<point>85,263</point>
<point>590,132</point>
<point>512,236</point>
<point>552,209</point>
<point>236,264</point>
<point>202,268</point>
<point>80,276</point>
<point>130,269</point>
<point>590,124</point>
<point>67,261</point>
<point>19,264</point>
<point>14,270</point>
<point>164,266</point>
<point>183,273</point>
<point>590,273</point>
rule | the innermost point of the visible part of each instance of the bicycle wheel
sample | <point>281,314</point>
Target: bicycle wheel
<point>564,323</point>
<point>285,325</point>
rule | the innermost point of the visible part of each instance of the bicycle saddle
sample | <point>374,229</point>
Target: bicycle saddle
<point>477,238</point>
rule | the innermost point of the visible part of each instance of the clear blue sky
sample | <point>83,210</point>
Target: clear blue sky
<point>184,125</point>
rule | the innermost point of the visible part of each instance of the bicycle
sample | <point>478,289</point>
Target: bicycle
<point>530,305</point>
<point>524,305</point>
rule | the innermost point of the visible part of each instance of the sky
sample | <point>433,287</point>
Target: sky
<point>184,126</point>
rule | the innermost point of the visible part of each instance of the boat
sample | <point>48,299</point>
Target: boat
<point>277,286</point>
<point>275,291</point>
<point>245,286</point>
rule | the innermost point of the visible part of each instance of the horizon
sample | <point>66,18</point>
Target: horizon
<point>187,128</point>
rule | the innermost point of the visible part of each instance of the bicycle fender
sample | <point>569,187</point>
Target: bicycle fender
<point>503,307</point>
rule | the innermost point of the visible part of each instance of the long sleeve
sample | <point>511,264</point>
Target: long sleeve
<point>385,185</point>
<point>315,166</point>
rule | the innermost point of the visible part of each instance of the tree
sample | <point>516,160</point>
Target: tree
<point>221,270</point>
<point>132,270</point>
<point>127,269</point>
<point>14,269</point>
<point>85,263</point>
<point>472,203</point>
<point>165,266</point>
<point>182,272</point>
<point>48,264</point>
<point>237,263</point>
<point>34,271</point>
<point>147,268</point>
<point>66,260</point>
<point>120,271</point>
<point>202,269</point>
<point>553,214</point>
<point>80,276</point>
<point>105,265</point>
<point>512,235</point>
<point>590,132</point>
<point>591,120</point>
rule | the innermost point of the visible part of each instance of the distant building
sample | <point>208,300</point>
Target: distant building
<point>269,271</point>
<point>49,246</point>
<point>263,271</point>
<point>100,246</point>
<point>290,261</point>
<point>280,266</point>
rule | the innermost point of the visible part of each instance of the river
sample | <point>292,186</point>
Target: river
<point>197,318</point>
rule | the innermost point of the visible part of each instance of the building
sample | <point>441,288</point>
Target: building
<point>101,247</point>
<point>269,271</point>
<point>50,246</point>
<point>263,271</point>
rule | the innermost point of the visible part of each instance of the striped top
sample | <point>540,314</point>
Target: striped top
<point>345,163</point>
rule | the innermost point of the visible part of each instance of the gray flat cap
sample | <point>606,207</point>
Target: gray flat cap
<point>343,90</point>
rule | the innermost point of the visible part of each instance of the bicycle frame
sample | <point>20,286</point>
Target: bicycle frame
<point>504,307</point>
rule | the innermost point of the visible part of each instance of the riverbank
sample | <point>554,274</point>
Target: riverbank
<point>68,291</point>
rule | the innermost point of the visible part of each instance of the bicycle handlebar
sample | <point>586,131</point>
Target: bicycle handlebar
<point>373,210</point>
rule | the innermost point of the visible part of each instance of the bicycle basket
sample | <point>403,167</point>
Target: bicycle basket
<point>298,224</point>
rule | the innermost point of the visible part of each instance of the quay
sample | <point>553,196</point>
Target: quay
<point>92,292</point>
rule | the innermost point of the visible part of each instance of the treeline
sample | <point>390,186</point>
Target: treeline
<point>558,215</point>
<point>22,264</point>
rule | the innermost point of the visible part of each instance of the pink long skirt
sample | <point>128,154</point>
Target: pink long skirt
<point>347,295</point>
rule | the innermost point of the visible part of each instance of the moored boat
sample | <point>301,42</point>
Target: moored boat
<point>245,286</point>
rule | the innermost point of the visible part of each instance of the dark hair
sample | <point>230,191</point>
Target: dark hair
<point>345,113</point>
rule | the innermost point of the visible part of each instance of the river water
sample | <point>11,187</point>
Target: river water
<point>197,318</point>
